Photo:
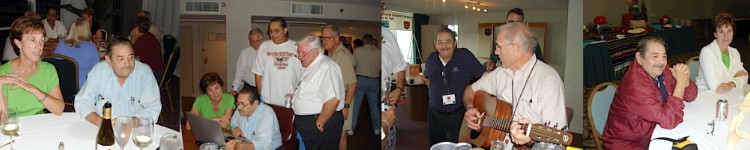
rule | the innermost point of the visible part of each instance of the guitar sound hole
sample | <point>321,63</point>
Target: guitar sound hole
<point>474,134</point>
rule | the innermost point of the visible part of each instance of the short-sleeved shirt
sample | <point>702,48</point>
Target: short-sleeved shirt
<point>367,61</point>
<point>451,78</point>
<point>321,81</point>
<point>345,60</point>
<point>392,61</point>
<point>281,71</point>
<point>203,105</point>
<point>45,79</point>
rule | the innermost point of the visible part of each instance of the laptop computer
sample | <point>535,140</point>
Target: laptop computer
<point>206,130</point>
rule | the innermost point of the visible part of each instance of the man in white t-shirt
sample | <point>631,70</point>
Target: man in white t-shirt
<point>53,27</point>
<point>277,71</point>
<point>243,76</point>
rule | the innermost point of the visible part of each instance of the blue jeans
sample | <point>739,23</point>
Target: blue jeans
<point>367,87</point>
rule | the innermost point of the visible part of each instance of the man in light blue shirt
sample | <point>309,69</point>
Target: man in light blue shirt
<point>254,121</point>
<point>128,84</point>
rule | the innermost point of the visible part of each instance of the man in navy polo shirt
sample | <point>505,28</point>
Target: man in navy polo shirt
<point>448,71</point>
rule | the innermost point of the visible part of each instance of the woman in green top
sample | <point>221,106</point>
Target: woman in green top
<point>214,103</point>
<point>29,85</point>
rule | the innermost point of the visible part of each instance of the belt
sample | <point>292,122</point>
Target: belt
<point>315,115</point>
<point>447,112</point>
<point>366,76</point>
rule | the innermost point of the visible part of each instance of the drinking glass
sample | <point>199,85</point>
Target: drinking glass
<point>169,141</point>
<point>123,127</point>
<point>10,124</point>
<point>497,144</point>
<point>143,130</point>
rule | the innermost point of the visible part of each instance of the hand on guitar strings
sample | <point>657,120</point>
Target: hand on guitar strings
<point>472,117</point>
<point>517,134</point>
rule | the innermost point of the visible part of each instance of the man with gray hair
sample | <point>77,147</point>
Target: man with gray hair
<point>532,87</point>
<point>243,76</point>
<point>317,102</point>
<point>344,58</point>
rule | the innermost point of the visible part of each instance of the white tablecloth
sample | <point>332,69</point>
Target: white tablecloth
<point>46,131</point>
<point>695,122</point>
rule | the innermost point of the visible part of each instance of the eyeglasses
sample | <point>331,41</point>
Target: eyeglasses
<point>298,55</point>
<point>325,38</point>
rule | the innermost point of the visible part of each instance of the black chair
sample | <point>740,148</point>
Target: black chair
<point>166,78</point>
<point>169,45</point>
<point>67,73</point>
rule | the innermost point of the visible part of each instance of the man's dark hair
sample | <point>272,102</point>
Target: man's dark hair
<point>117,41</point>
<point>516,11</point>
<point>641,48</point>
<point>253,94</point>
<point>368,38</point>
<point>142,23</point>
<point>446,30</point>
<point>358,43</point>
<point>282,22</point>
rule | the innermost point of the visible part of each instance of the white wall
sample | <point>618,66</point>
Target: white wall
<point>238,20</point>
<point>297,32</point>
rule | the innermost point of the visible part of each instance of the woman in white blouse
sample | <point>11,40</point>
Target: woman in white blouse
<point>721,67</point>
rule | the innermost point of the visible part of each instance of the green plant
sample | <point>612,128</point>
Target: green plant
<point>101,9</point>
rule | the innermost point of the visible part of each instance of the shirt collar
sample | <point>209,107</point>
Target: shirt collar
<point>525,69</point>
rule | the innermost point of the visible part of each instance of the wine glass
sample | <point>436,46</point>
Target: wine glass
<point>143,130</point>
<point>10,125</point>
<point>123,127</point>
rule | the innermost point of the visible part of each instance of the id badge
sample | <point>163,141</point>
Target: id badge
<point>449,99</point>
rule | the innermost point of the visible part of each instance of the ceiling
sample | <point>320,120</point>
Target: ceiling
<point>351,2</point>
<point>457,6</point>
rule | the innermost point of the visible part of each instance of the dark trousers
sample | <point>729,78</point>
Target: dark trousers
<point>316,140</point>
<point>444,126</point>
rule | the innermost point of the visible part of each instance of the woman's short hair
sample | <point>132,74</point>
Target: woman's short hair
<point>722,19</point>
<point>24,25</point>
<point>208,79</point>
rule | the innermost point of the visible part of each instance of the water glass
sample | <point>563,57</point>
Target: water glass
<point>169,141</point>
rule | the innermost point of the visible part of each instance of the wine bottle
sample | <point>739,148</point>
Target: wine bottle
<point>105,139</point>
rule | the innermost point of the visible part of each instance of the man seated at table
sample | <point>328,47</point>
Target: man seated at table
<point>128,84</point>
<point>255,121</point>
<point>533,87</point>
<point>643,98</point>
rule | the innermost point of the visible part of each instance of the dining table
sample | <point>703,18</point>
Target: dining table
<point>697,117</point>
<point>47,131</point>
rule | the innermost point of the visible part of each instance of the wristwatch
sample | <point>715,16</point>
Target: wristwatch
<point>346,106</point>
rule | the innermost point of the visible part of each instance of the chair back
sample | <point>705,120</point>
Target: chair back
<point>67,73</point>
<point>694,66</point>
<point>171,66</point>
<point>169,44</point>
<point>285,116</point>
<point>599,101</point>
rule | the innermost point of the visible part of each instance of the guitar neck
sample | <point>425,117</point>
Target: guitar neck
<point>498,123</point>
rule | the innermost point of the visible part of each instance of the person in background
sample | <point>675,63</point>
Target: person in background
<point>77,45</point>
<point>243,75</point>
<point>448,71</point>
<point>88,15</point>
<point>357,43</point>
<point>721,66</point>
<point>147,47</point>
<point>53,28</point>
<point>367,67</point>
<point>213,104</point>
<point>126,83</point>
<point>513,15</point>
<point>338,52</point>
<point>254,121</point>
<point>29,84</point>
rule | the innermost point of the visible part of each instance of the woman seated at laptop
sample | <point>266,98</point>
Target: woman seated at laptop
<point>214,104</point>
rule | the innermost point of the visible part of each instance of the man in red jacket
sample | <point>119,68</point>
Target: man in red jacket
<point>650,93</point>
<point>147,47</point>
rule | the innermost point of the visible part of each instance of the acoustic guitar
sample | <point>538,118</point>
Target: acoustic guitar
<point>497,115</point>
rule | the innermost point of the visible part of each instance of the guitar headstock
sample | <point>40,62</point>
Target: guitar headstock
<point>542,133</point>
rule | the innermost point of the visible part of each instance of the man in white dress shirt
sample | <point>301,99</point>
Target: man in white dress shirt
<point>243,76</point>
<point>319,99</point>
<point>54,28</point>
<point>532,87</point>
